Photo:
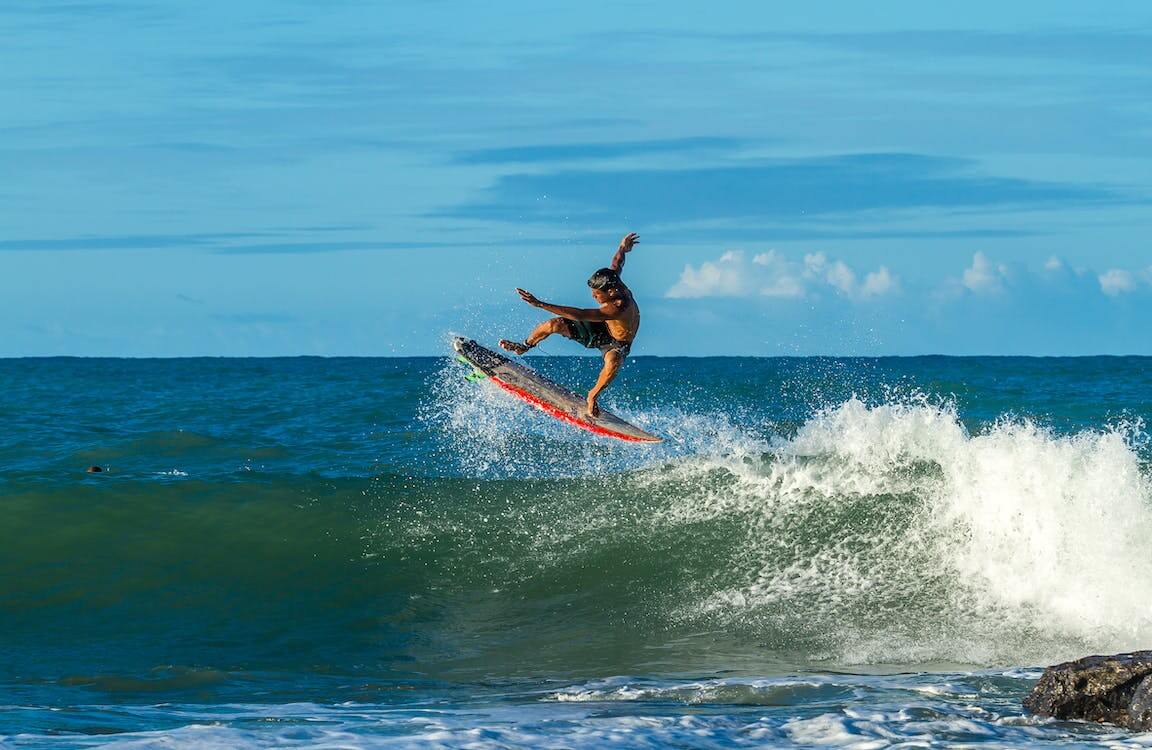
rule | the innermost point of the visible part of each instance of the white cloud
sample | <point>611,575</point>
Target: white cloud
<point>1117,281</point>
<point>775,275</point>
<point>778,276</point>
<point>771,274</point>
<point>983,276</point>
<point>725,277</point>
<point>878,283</point>
<point>842,277</point>
<point>815,263</point>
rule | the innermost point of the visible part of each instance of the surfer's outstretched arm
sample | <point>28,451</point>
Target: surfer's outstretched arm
<point>626,244</point>
<point>607,311</point>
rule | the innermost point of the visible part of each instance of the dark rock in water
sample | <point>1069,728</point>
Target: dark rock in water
<point>1114,689</point>
<point>1140,707</point>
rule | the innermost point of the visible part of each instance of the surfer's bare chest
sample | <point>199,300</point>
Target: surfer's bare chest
<point>627,325</point>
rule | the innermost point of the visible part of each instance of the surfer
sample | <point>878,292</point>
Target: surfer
<point>611,327</point>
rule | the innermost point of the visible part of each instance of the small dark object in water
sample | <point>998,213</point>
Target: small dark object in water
<point>94,470</point>
<point>1114,689</point>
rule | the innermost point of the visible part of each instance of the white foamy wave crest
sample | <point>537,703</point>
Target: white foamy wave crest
<point>771,691</point>
<point>890,533</point>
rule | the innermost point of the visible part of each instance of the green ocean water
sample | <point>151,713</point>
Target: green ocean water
<point>374,552</point>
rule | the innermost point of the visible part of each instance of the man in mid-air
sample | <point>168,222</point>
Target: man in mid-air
<point>611,327</point>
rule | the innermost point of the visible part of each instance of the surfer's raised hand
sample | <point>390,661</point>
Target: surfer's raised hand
<point>626,245</point>
<point>528,297</point>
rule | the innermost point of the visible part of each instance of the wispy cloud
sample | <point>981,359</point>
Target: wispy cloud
<point>1100,46</point>
<point>309,239</point>
<point>129,242</point>
<point>82,11</point>
<point>832,229</point>
<point>1105,47</point>
<point>590,151</point>
<point>792,190</point>
<point>297,248</point>
<point>256,318</point>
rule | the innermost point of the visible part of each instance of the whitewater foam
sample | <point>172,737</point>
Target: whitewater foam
<point>1013,543</point>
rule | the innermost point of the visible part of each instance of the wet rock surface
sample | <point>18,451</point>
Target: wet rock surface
<point>1114,689</point>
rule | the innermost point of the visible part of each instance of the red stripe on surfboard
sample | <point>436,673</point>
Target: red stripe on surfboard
<point>563,416</point>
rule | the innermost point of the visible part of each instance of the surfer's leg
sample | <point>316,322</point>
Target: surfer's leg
<point>546,329</point>
<point>612,361</point>
<point>539,333</point>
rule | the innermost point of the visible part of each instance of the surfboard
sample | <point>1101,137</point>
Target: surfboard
<point>533,388</point>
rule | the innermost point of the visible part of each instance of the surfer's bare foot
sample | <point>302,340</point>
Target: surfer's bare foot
<point>513,346</point>
<point>593,409</point>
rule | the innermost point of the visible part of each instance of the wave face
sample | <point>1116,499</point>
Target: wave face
<point>386,519</point>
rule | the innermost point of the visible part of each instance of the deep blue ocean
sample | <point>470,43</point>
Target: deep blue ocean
<point>358,553</point>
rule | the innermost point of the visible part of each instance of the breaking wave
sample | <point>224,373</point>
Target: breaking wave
<point>887,532</point>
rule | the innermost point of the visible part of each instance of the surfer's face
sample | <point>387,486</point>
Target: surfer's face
<point>603,295</point>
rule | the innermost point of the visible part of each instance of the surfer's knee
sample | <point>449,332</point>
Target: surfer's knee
<point>557,325</point>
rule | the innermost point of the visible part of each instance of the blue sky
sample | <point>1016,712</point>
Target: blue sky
<point>277,178</point>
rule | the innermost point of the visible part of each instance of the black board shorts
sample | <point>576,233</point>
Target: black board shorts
<point>596,336</point>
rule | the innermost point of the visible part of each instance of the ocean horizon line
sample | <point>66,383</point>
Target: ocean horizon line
<point>146,358</point>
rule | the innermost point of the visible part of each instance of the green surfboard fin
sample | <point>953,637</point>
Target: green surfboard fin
<point>473,376</point>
